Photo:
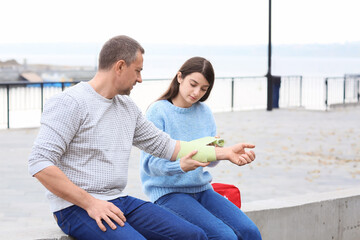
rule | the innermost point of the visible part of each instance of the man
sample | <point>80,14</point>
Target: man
<point>82,150</point>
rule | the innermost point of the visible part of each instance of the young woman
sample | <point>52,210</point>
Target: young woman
<point>182,186</point>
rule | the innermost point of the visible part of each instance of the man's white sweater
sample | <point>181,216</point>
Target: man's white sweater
<point>89,138</point>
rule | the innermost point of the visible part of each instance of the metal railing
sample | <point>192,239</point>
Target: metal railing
<point>291,91</point>
<point>24,96</point>
<point>342,90</point>
<point>21,103</point>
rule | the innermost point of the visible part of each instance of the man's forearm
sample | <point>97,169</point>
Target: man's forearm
<point>59,184</point>
<point>176,151</point>
<point>100,210</point>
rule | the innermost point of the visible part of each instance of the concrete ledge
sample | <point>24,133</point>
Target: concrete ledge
<point>332,215</point>
<point>321,216</point>
<point>38,233</point>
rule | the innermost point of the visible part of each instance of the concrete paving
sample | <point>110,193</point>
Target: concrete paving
<point>298,152</point>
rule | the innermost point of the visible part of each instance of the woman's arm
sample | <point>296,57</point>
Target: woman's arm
<point>154,166</point>
<point>236,153</point>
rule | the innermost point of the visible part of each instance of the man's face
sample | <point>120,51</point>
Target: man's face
<point>131,75</point>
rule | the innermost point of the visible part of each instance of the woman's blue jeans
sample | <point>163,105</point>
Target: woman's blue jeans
<point>217,216</point>
<point>144,220</point>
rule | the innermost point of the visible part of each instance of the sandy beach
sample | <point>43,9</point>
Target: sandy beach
<point>297,152</point>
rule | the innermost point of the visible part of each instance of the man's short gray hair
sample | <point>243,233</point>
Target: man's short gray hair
<point>119,48</point>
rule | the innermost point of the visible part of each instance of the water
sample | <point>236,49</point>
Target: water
<point>165,65</point>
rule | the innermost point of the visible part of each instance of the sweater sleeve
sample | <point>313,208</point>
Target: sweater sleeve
<point>213,133</point>
<point>59,123</point>
<point>151,139</point>
<point>155,166</point>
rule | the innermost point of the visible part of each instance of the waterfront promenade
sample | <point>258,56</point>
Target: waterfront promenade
<point>298,152</point>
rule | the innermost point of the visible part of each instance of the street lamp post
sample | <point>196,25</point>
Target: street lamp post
<point>269,77</point>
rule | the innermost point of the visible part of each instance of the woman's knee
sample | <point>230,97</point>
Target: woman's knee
<point>222,232</point>
<point>195,233</point>
<point>255,233</point>
<point>229,235</point>
<point>251,233</point>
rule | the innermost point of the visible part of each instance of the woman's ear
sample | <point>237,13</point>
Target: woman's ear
<point>179,77</point>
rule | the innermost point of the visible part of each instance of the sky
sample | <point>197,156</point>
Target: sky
<point>194,22</point>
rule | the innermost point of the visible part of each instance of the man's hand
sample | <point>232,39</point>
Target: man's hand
<point>59,184</point>
<point>236,153</point>
<point>189,164</point>
<point>102,210</point>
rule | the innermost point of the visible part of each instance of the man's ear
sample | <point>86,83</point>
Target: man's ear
<point>119,65</point>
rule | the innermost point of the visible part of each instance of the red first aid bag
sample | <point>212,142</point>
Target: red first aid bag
<point>228,191</point>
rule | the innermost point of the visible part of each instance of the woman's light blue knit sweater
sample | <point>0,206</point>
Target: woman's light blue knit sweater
<point>159,176</point>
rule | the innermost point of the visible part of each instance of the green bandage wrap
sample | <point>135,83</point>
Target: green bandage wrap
<point>205,153</point>
<point>209,140</point>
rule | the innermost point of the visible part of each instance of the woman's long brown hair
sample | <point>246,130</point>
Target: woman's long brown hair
<point>194,64</point>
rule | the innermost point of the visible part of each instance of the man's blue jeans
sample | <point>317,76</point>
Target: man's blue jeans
<point>217,216</point>
<point>144,220</point>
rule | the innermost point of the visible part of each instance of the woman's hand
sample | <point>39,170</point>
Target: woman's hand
<point>189,164</point>
<point>236,154</point>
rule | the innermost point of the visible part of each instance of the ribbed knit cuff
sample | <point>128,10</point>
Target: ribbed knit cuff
<point>174,168</point>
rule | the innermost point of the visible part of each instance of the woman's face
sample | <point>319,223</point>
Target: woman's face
<point>191,89</point>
